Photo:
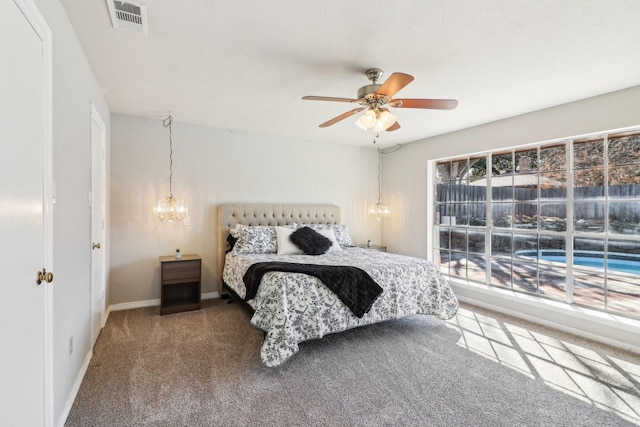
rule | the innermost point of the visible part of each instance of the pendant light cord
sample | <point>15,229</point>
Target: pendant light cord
<point>167,124</point>
<point>379,174</point>
<point>380,153</point>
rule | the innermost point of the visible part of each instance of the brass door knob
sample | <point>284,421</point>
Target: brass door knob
<point>44,275</point>
<point>95,246</point>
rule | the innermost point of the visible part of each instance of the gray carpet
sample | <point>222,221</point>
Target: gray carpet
<point>202,368</point>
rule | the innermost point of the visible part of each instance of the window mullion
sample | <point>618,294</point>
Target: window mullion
<point>489,222</point>
<point>569,232</point>
<point>606,218</point>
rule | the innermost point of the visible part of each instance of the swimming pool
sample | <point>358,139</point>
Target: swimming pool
<point>626,263</point>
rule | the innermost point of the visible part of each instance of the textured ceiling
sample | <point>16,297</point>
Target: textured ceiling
<point>244,65</point>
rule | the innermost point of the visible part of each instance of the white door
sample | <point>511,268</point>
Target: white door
<point>98,254</point>
<point>25,216</point>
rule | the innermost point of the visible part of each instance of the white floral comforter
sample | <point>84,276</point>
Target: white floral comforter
<point>294,307</point>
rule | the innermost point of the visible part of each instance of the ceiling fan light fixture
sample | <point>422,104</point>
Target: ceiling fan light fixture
<point>368,119</point>
<point>360,125</point>
<point>386,119</point>
<point>377,119</point>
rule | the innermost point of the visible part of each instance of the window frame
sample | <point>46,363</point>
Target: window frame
<point>570,233</point>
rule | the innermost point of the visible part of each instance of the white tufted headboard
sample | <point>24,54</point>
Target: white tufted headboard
<point>268,214</point>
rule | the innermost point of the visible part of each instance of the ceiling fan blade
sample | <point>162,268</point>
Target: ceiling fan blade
<point>394,83</point>
<point>393,127</point>
<point>434,104</point>
<point>328,98</point>
<point>341,117</point>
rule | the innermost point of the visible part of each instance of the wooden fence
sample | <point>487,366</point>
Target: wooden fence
<point>461,200</point>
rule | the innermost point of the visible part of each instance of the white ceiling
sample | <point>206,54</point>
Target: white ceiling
<point>245,65</point>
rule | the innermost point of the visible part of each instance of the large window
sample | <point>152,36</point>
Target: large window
<point>558,220</point>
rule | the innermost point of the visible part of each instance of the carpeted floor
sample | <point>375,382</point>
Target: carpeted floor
<point>202,368</point>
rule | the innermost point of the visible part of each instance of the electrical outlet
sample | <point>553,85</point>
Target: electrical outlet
<point>70,346</point>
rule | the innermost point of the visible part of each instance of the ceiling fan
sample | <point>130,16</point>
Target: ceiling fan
<point>374,98</point>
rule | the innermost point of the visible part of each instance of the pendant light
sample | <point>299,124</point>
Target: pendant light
<point>379,210</point>
<point>170,208</point>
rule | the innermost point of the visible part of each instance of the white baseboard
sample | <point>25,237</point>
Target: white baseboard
<point>210,295</point>
<point>74,390</point>
<point>595,325</point>
<point>151,303</point>
<point>106,316</point>
<point>134,304</point>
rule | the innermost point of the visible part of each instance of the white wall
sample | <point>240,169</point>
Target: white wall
<point>406,184</point>
<point>210,167</point>
<point>74,90</point>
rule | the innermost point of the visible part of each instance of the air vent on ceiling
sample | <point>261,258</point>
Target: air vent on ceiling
<point>126,15</point>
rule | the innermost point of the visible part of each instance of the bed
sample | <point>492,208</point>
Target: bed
<point>292,307</point>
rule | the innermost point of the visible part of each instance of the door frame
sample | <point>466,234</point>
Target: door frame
<point>41,28</point>
<point>96,120</point>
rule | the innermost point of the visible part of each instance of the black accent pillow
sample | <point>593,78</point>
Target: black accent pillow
<point>310,241</point>
<point>231,241</point>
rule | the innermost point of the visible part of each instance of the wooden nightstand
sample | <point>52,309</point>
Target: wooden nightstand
<point>374,247</point>
<point>180,283</point>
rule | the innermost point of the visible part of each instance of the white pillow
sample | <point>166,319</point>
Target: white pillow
<point>285,246</point>
<point>329,234</point>
<point>235,230</point>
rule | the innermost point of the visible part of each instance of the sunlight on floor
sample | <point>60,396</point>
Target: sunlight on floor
<point>603,380</point>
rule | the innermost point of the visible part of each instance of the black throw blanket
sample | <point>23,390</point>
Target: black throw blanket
<point>355,288</point>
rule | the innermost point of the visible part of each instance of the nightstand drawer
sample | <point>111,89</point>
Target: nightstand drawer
<point>181,270</point>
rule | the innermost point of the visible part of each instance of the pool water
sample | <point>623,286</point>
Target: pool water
<point>626,263</point>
